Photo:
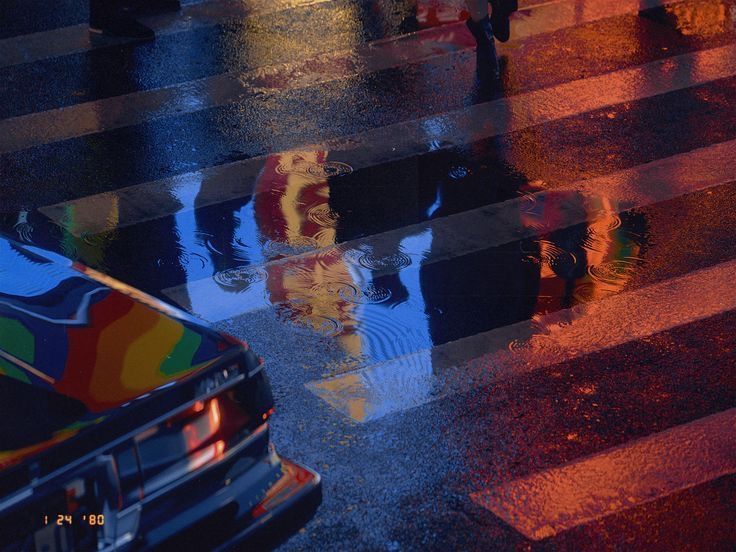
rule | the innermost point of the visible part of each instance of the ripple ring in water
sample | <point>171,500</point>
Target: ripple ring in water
<point>604,224</point>
<point>322,215</point>
<point>555,257</point>
<point>240,278</point>
<point>329,169</point>
<point>393,262</point>
<point>300,244</point>
<point>318,170</point>
<point>301,317</point>
<point>370,294</point>
<point>458,172</point>
<point>302,167</point>
<point>616,272</point>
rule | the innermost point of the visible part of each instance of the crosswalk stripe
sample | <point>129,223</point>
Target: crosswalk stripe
<point>413,380</point>
<point>547,503</point>
<point>489,226</point>
<point>160,198</point>
<point>46,127</point>
<point>76,38</point>
<point>26,131</point>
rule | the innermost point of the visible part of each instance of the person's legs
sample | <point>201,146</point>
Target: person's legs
<point>478,9</point>
<point>115,18</point>
<point>148,7</point>
<point>480,27</point>
<point>118,17</point>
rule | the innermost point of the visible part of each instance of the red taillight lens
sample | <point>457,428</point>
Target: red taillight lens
<point>217,419</point>
<point>266,415</point>
<point>204,431</point>
<point>200,434</point>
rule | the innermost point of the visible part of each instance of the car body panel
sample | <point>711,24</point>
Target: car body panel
<point>116,404</point>
<point>66,328</point>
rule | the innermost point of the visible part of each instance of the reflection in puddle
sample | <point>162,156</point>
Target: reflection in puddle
<point>580,264</point>
<point>240,279</point>
<point>379,300</point>
<point>370,260</point>
<point>406,288</point>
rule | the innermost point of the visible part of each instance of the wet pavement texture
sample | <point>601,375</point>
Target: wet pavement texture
<point>467,295</point>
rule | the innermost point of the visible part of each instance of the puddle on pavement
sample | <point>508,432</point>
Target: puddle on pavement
<point>379,297</point>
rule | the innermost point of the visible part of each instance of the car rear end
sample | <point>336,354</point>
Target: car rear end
<point>189,467</point>
<point>129,425</point>
<point>208,474</point>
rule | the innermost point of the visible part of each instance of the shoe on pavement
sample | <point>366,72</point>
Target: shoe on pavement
<point>501,10</point>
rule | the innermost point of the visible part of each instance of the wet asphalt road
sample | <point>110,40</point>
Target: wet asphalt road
<point>493,317</point>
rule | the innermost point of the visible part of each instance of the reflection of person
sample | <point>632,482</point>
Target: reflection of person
<point>118,17</point>
<point>292,214</point>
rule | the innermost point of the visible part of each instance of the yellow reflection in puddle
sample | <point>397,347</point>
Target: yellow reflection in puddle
<point>293,214</point>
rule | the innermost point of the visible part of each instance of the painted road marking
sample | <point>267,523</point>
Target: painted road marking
<point>148,105</point>
<point>373,392</point>
<point>26,131</point>
<point>484,227</point>
<point>76,38</point>
<point>640,471</point>
<point>160,198</point>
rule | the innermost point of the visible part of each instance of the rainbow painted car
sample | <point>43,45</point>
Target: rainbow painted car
<point>129,425</point>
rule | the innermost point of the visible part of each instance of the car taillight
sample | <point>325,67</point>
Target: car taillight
<point>204,431</point>
<point>218,418</point>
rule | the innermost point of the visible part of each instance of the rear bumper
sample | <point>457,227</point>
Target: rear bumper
<point>293,501</point>
<point>250,498</point>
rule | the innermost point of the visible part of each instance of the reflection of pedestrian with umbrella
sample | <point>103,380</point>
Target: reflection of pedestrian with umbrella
<point>484,29</point>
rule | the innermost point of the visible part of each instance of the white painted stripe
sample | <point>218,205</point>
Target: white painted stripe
<point>46,127</point>
<point>156,199</point>
<point>460,366</point>
<point>549,502</point>
<point>488,226</point>
<point>18,133</point>
<point>76,38</point>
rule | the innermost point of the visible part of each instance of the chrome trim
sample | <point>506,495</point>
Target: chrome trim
<point>18,496</point>
<point>257,370</point>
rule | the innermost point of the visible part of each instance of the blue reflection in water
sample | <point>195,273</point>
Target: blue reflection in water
<point>23,274</point>
<point>392,329</point>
